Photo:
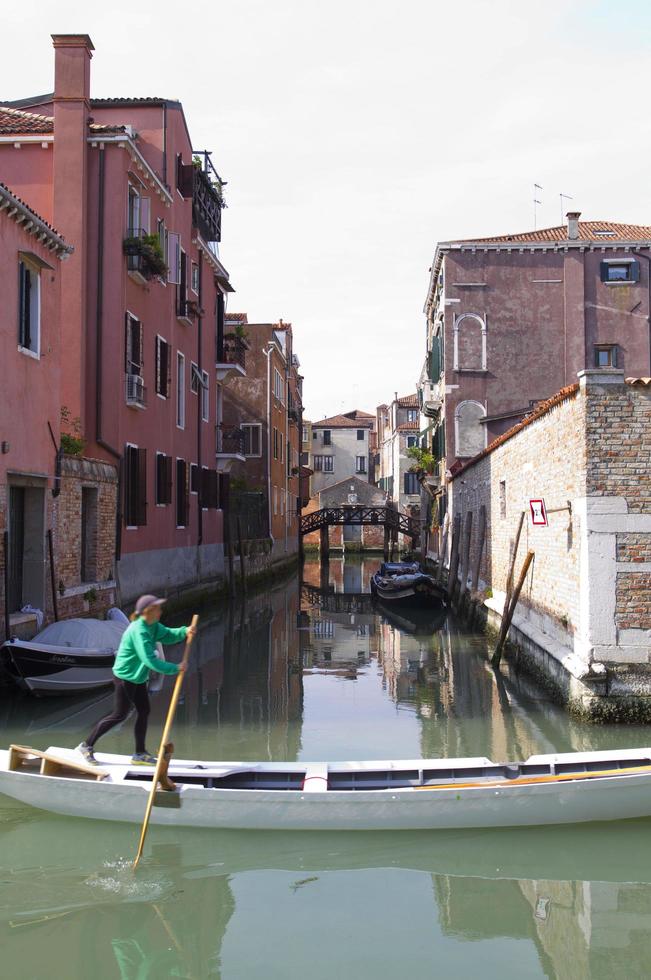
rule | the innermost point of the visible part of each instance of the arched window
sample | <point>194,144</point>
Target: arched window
<point>470,433</point>
<point>469,342</point>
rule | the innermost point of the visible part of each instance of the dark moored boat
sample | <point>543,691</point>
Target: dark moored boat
<point>406,584</point>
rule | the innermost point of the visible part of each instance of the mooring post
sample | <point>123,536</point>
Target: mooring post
<point>454,556</point>
<point>386,542</point>
<point>481,535</point>
<point>508,616</point>
<point>324,547</point>
<point>443,547</point>
<point>466,555</point>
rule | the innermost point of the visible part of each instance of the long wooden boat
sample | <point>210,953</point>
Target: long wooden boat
<point>399,795</point>
<point>403,584</point>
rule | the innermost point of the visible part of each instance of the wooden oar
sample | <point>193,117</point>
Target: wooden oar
<point>562,777</point>
<point>163,752</point>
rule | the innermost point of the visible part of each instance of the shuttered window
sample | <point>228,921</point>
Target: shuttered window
<point>174,257</point>
<point>133,345</point>
<point>163,367</point>
<point>135,487</point>
<point>163,479</point>
<point>182,494</point>
<point>209,488</point>
<point>28,307</point>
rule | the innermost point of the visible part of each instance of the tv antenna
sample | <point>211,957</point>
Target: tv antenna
<point>564,197</point>
<point>536,189</point>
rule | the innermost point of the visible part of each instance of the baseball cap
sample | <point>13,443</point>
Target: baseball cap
<point>147,600</point>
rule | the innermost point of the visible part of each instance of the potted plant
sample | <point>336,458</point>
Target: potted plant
<point>72,441</point>
<point>148,248</point>
<point>424,461</point>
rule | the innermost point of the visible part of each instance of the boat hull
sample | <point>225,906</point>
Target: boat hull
<point>313,807</point>
<point>42,669</point>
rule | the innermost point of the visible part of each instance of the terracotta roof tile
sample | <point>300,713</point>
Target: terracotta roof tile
<point>638,381</point>
<point>18,122</point>
<point>408,425</point>
<point>345,422</point>
<point>588,232</point>
<point>408,401</point>
<point>9,201</point>
<point>237,318</point>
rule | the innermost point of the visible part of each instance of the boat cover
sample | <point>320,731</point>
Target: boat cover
<point>399,568</point>
<point>403,581</point>
<point>91,634</point>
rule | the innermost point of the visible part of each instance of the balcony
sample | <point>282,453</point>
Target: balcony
<point>187,310</point>
<point>135,391</point>
<point>200,181</point>
<point>145,259</point>
<point>231,360</point>
<point>292,414</point>
<point>230,448</point>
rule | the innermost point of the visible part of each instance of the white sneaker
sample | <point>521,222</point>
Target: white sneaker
<point>87,752</point>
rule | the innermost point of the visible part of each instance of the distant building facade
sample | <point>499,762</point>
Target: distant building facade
<point>397,432</point>
<point>341,448</point>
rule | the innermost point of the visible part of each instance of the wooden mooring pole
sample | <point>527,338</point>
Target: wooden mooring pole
<point>506,620</point>
<point>55,607</point>
<point>465,561</point>
<point>454,557</point>
<point>443,547</point>
<point>481,535</point>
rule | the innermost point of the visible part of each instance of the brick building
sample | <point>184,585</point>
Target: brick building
<point>144,296</point>
<point>584,614</point>
<point>44,493</point>
<point>397,431</point>
<point>512,319</point>
<point>342,446</point>
<point>262,412</point>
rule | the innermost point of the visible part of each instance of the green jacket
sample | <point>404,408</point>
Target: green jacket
<point>136,654</point>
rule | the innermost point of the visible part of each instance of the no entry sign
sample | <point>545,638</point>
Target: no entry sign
<point>538,512</point>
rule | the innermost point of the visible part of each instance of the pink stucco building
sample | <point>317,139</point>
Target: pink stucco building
<point>513,319</point>
<point>143,295</point>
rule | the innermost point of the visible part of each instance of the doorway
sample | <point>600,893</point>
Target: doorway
<point>26,547</point>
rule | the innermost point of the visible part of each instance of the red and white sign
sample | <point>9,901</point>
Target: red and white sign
<point>538,512</point>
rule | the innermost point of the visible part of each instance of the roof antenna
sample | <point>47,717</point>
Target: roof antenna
<point>536,202</point>
<point>564,197</point>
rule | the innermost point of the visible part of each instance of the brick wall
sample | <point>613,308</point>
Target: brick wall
<point>588,448</point>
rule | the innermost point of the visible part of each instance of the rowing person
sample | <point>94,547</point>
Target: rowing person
<point>135,658</point>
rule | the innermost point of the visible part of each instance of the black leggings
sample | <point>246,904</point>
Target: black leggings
<point>127,696</point>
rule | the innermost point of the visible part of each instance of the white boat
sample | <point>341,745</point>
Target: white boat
<point>399,795</point>
<point>69,656</point>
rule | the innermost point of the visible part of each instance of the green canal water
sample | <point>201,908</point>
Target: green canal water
<point>315,673</point>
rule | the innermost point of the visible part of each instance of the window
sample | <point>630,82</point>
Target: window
<point>279,388</point>
<point>29,328</point>
<point>275,501</point>
<point>469,342</point>
<point>194,283</point>
<point>304,434</point>
<point>502,498</point>
<point>625,270</point>
<point>205,396</point>
<point>161,231</point>
<point>133,345</point>
<point>133,212</point>
<point>209,488</point>
<point>182,288</point>
<point>360,464</point>
<point>412,414</point>
<point>328,464</point>
<point>314,435</point>
<point>163,367</point>
<point>470,432</point>
<point>360,435</point>
<point>412,441</point>
<point>163,479</point>
<point>411,485</point>
<point>305,459</point>
<point>180,390</point>
<point>605,355</point>
<point>135,486</point>
<point>195,378</point>
<point>174,257</point>
<point>182,495</point>
<point>318,464</point>
<point>281,443</point>
<point>275,442</point>
<point>327,437</point>
<point>252,432</point>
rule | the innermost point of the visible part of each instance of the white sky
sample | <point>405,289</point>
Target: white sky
<point>355,134</point>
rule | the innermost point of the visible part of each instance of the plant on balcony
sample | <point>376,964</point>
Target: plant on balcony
<point>72,441</point>
<point>148,248</point>
<point>424,461</point>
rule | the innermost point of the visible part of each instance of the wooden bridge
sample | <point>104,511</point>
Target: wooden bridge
<point>393,521</point>
<point>338,602</point>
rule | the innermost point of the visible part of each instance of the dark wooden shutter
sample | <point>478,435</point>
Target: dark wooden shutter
<point>127,344</point>
<point>141,512</point>
<point>603,271</point>
<point>168,368</point>
<point>159,373</point>
<point>24,306</point>
<point>186,178</point>
<point>635,272</point>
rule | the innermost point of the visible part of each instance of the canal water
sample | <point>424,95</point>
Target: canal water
<point>312,671</point>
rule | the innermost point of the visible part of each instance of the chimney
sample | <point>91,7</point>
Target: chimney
<point>573,225</point>
<point>72,54</point>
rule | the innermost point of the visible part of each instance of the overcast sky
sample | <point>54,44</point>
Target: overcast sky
<point>355,134</point>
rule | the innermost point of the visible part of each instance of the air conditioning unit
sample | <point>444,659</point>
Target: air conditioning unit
<point>135,390</point>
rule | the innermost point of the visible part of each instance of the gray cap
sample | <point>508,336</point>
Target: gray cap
<point>145,601</point>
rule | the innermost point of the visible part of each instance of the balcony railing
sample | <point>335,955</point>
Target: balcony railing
<point>135,391</point>
<point>187,308</point>
<point>230,441</point>
<point>234,350</point>
<point>144,254</point>
<point>203,184</point>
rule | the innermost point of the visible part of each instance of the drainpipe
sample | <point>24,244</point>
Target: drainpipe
<point>648,265</point>
<point>99,351</point>
<point>199,406</point>
<point>285,469</point>
<point>267,353</point>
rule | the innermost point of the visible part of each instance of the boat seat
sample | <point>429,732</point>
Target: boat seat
<point>23,758</point>
<point>316,778</point>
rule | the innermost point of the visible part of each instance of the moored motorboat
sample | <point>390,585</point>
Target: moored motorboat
<point>406,584</point>
<point>69,656</point>
<point>397,795</point>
